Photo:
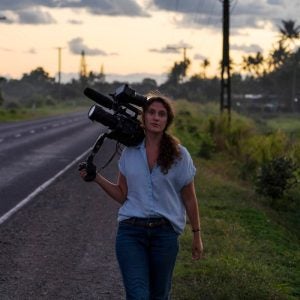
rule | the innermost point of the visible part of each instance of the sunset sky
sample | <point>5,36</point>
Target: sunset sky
<point>133,37</point>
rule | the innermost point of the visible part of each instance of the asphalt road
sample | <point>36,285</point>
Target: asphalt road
<point>61,244</point>
<point>32,152</point>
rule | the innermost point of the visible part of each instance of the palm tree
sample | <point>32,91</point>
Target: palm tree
<point>178,71</point>
<point>291,32</point>
<point>253,64</point>
<point>205,63</point>
<point>278,56</point>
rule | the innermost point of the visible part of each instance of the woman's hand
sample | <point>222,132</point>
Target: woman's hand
<point>197,246</point>
<point>87,171</point>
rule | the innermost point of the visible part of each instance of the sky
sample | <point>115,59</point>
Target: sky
<point>133,39</point>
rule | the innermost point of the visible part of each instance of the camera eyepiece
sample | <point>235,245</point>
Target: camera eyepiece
<point>125,94</point>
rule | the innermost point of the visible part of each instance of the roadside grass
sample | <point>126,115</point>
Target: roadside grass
<point>23,114</point>
<point>248,255</point>
<point>289,124</point>
<point>252,251</point>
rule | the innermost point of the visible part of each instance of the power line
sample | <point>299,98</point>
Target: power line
<point>212,9</point>
<point>233,6</point>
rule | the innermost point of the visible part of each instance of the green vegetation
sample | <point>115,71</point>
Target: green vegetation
<point>251,241</point>
<point>251,248</point>
<point>24,113</point>
<point>289,124</point>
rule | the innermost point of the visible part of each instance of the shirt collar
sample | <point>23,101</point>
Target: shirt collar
<point>141,145</point>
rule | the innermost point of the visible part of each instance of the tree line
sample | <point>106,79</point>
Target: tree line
<point>275,77</point>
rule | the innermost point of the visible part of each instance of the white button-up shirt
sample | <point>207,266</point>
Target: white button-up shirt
<point>150,192</point>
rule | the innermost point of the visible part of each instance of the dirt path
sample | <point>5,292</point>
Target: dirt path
<point>61,246</point>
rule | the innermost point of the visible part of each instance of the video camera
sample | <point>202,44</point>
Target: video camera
<point>121,118</point>
<point>123,122</point>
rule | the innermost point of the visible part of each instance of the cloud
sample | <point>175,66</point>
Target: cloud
<point>117,8</point>
<point>165,50</point>
<point>186,6</point>
<point>243,14</point>
<point>180,45</point>
<point>35,16</point>
<point>6,19</point>
<point>172,48</point>
<point>6,49</point>
<point>199,57</point>
<point>103,7</point>
<point>191,13</point>
<point>275,2</point>
<point>76,46</point>
<point>31,51</point>
<point>75,22</point>
<point>253,48</point>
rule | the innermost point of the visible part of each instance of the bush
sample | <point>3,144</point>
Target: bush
<point>276,177</point>
<point>229,136</point>
<point>1,99</point>
<point>50,101</point>
<point>12,106</point>
<point>207,146</point>
<point>34,101</point>
<point>259,149</point>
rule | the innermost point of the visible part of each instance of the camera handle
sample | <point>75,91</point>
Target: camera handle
<point>88,164</point>
<point>96,147</point>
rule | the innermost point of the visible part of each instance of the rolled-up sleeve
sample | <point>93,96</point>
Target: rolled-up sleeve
<point>188,170</point>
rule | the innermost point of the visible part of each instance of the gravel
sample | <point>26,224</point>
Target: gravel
<point>62,244</point>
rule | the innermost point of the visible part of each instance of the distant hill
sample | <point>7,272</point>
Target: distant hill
<point>130,78</point>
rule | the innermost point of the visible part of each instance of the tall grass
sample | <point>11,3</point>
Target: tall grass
<point>251,250</point>
<point>24,113</point>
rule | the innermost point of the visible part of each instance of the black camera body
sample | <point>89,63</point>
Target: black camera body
<point>128,130</point>
<point>122,119</point>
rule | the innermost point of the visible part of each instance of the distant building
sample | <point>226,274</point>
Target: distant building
<point>256,103</point>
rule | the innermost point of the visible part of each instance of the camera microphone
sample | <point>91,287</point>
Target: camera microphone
<point>98,98</point>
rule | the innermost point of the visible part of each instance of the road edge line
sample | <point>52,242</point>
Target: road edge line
<point>39,189</point>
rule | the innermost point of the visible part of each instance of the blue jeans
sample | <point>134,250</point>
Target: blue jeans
<point>146,258</point>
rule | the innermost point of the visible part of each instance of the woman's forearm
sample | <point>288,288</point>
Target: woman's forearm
<point>191,205</point>
<point>192,211</point>
<point>113,190</point>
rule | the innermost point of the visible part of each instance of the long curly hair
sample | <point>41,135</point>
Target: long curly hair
<point>169,145</point>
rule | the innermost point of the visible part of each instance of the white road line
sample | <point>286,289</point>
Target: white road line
<point>17,135</point>
<point>7,215</point>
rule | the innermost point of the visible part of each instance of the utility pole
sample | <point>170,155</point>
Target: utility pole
<point>2,18</point>
<point>59,73</point>
<point>225,71</point>
<point>83,67</point>
<point>59,65</point>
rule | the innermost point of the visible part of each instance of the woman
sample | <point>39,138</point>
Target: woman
<point>156,189</point>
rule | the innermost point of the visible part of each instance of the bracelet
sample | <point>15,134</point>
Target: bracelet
<point>196,230</point>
